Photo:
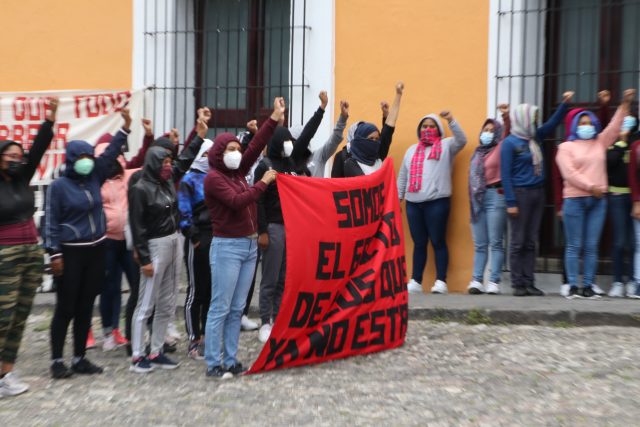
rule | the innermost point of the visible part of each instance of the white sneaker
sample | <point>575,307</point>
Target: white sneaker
<point>247,324</point>
<point>11,385</point>
<point>264,332</point>
<point>414,287</point>
<point>632,288</point>
<point>617,290</point>
<point>474,288</point>
<point>173,333</point>
<point>598,290</point>
<point>564,290</point>
<point>493,288</point>
<point>109,343</point>
<point>439,288</point>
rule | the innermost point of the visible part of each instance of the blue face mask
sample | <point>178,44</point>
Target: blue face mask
<point>628,123</point>
<point>586,132</point>
<point>486,138</point>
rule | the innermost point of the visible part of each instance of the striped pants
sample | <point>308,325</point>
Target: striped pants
<point>196,306</point>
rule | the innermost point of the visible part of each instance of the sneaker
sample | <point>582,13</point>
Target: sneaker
<point>564,290</point>
<point>120,340</point>
<point>247,324</point>
<point>172,333</point>
<point>236,369</point>
<point>85,367</point>
<point>91,341</point>
<point>219,372</point>
<point>10,385</point>
<point>474,288</point>
<point>439,287</point>
<point>163,362</point>
<point>588,292</point>
<point>617,290</point>
<point>60,371</point>
<point>414,287</point>
<point>264,332</point>
<point>598,290</point>
<point>194,351</point>
<point>141,365</point>
<point>169,348</point>
<point>493,288</point>
<point>520,292</point>
<point>573,292</point>
<point>534,292</point>
<point>109,343</point>
<point>632,289</point>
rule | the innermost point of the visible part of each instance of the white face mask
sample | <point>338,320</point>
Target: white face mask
<point>287,149</point>
<point>232,159</point>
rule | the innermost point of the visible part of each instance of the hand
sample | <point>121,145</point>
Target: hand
<point>196,245</point>
<point>127,118</point>
<point>278,109</point>
<point>202,128</point>
<point>174,136</point>
<point>344,109</point>
<point>567,96</point>
<point>384,106</point>
<point>559,214</point>
<point>635,212</point>
<point>604,96</point>
<point>252,126</point>
<point>147,270</point>
<point>269,176</point>
<point>57,266</point>
<point>628,96</point>
<point>136,258</point>
<point>503,108</point>
<point>596,191</point>
<point>263,241</point>
<point>53,108</point>
<point>446,115</point>
<point>324,99</point>
<point>513,212</point>
<point>399,88</point>
<point>204,113</point>
<point>148,128</point>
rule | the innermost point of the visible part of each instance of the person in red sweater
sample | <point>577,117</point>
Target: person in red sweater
<point>234,248</point>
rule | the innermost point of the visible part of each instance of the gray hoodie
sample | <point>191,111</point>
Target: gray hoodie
<point>322,155</point>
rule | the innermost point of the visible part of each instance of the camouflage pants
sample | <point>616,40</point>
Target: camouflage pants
<point>21,268</point>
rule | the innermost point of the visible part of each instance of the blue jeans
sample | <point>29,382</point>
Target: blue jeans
<point>622,235</point>
<point>232,261</point>
<point>488,233</point>
<point>118,260</point>
<point>583,221</point>
<point>428,221</point>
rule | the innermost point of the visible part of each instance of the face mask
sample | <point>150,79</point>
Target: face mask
<point>628,123</point>
<point>14,168</point>
<point>232,159</point>
<point>83,166</point>
<point>287,149</point>
<point>486,138</point>
<point>429,136</point>
<point>586,132</point>
<point>166,172</point>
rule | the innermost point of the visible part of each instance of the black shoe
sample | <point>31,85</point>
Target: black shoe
<point>588,292</point>
<point>217,372</point>
<point>573,293</point>
<point>59,371</point>
<point>84,366</point>
<point>169,348</point>
<point>534,292</point>
<point>236,369</point>
<point>520,292</point>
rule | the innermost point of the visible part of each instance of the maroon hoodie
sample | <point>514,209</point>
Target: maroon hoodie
<point>231,201</point>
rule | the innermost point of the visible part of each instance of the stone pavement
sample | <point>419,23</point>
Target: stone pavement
<point>447,374</point>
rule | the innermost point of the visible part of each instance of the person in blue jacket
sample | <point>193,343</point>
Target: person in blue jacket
<point>74,237</point>
<point>522,172</point>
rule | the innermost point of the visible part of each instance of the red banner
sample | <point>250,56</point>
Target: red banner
<point>345,291</point>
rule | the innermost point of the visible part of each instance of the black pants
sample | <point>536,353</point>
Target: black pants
<point>196,305</point>
<point>253,285</point>
<point>525,233</point>
<point>82,280</point>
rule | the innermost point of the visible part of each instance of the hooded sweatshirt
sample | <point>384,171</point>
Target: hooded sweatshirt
<point>231,201</point>
<point>556,177</point>
<point>194,214</point>
<point>436,174</point>
<point>582,163</point>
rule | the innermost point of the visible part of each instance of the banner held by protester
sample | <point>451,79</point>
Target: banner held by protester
<point>345,292</point>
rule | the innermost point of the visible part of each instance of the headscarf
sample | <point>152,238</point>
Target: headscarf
<point>417,161</point>
<point>477,179</point>
<point>351,134</point>
<point>202,163</point>
<point>524,126</point>
<point>573,133</point>
<point>364,150</point>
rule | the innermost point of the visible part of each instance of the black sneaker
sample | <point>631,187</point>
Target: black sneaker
<point>534,292</point>
<point>60,371</point>
<point>217,372</point>
<point>85,367</point>
<point>163,362</point>
<point>169,348</point>
<point>573,293</point>
<point>141,365</point>
<point>520,292</point>
<point>588,292</point>
<point>237,369</point>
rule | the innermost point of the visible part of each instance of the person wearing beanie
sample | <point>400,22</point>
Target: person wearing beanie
<point>424,181</point>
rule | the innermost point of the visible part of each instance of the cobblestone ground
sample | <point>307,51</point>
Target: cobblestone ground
<point>446,374</point>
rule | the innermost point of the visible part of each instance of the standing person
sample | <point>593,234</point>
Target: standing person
<point>425,181</point>
<point>21,258</point>
<point>195,224</point>
<point>522,172</point>
<point>488,210</point>
<point>582,163</point>
<point>74,237</point>
<point>154,218</point>
<point>234,247</point>
<point>634,183</point>
<point>321,156</point>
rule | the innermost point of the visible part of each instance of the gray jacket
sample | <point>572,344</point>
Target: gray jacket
<point>322,155</point>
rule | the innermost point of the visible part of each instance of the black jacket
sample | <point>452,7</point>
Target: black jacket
<point>153,205</point>
<point>17,202</point>
<point>352,168</point>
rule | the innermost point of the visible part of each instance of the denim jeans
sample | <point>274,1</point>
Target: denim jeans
<point>488,234</point>
<point>232,261</point>
<point>619,211</point>
<point>583,222</point>
<point>428,221</point>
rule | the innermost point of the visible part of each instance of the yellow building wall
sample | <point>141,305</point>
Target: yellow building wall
<point>439,49</point>
<point>66,44</point>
